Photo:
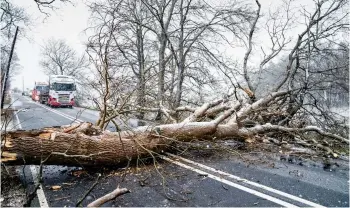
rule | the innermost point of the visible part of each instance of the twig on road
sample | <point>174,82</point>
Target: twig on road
<point>88,191</point>
<point>110,196</point>
<point>59,199</point>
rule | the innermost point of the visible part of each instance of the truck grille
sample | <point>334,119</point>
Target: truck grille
<point>63,98</point>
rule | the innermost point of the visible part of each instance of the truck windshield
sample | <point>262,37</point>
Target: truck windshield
<point>42,88</point>
<point>63,87</point>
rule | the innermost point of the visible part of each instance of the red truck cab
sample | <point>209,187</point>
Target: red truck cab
<point>40,92</point>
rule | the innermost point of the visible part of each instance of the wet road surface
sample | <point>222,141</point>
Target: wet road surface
<point>177,182</point>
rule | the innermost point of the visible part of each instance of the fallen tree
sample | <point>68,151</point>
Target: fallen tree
<point>85,144</point>
<point>281,110</point>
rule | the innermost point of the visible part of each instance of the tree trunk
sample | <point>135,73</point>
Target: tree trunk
<point>87,146</point>
<point>161,72</point>
<point>141,74</point>
<point>181,70</point>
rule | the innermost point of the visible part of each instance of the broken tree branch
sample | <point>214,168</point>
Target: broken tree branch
<point>100,201</point>
<point>270,127</point>
<point>199,112</point>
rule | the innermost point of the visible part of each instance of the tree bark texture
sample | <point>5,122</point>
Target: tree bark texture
<point>90,147</point>
<point>86,145</point>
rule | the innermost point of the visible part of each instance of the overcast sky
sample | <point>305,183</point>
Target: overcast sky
<point>67,22</point>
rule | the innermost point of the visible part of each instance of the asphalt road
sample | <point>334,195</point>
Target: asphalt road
<point>181,182</point>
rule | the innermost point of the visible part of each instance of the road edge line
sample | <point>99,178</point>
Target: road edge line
<point>230,183</point>
<point>289,196</point>
<point>39,192</point>
<point>243,180</point>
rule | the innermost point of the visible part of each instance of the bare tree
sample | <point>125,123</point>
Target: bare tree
<point>114,86</point>
<point>162,11</point>
<point>199,24</point>
<point>286,111</point>
<point>132,43</point>
<point>44,5</point>
<point>15,66</point>
<point>10,17</point>
<point>60,58</point>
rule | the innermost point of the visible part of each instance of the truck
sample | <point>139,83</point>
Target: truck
<point>40,93</point>
<point>62,90</point>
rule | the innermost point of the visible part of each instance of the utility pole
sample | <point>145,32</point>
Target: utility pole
<point>8,69</point>
<point>22,84</point>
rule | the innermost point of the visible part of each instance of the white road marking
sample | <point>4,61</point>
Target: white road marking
<point>262,195</point>
<point>76,120</point>
<point>19,125</point>
<point>40,192</point>
<point>243,188</point>
<point>242,180</point>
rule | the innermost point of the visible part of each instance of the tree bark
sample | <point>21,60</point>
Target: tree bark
<point>161,73</point>
<point>87,146</point>
<point>141,74</point>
